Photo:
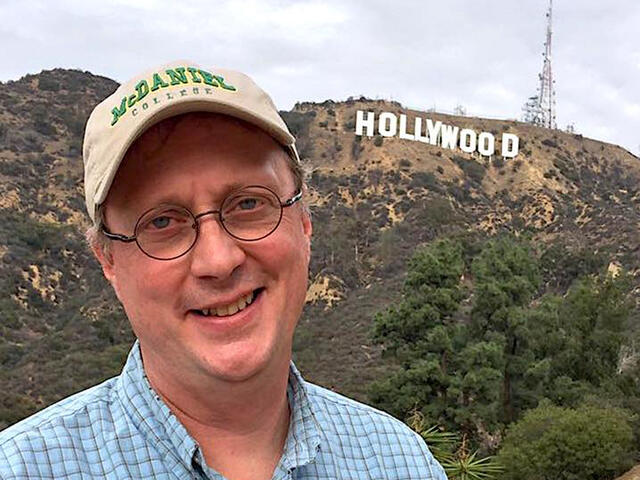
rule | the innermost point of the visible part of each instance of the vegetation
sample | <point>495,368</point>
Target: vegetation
<point>567,444</point>
<point>497,327</point>
<point>453,454</point>
<point>477,367</point>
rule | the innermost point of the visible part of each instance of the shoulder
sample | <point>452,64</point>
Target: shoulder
<point>343,407</point>
<point>66,424</point>
<point>372,432</point>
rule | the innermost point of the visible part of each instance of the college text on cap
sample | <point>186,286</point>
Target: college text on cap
<point>171,77</point>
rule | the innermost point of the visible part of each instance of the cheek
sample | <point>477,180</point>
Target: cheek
<point>289,260</point>
<point>287,253</point>
<point>143,286</point>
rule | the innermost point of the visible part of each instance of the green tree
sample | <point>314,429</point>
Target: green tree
<point>506,277</point>
<point>597,310</point>
<point>420,333</point>
<point>577,341</point>
<point>474,367</point>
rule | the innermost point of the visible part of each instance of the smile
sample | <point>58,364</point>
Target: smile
<point>230,308</point>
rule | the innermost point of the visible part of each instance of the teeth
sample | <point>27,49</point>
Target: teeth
<point>230,309</point>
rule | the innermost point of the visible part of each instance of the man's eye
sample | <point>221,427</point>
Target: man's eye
<point>248,203</point>
<point>160,222</point>
<point>164,221</point>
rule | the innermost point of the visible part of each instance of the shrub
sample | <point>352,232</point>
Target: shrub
<point>568,444</point>
<point>44,126</point>
<point>377,141</point>
<point>497,162</point>
<point>298,123</point>
<point>471,168</point>
<point>48,83</point>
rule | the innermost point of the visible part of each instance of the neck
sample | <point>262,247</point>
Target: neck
<point>241,427</point>
<point>234,408</point>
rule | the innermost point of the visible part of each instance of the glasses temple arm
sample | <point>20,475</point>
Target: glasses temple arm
<point>293,199</point>
<point>117,236</point>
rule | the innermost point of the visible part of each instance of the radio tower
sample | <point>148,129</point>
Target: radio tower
<point>541,108</point>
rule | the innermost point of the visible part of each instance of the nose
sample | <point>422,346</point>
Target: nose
<point>216,254</point>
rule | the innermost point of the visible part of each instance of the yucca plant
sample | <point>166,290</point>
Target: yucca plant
<point>452,452</point>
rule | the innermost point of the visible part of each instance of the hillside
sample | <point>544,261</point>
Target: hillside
<point>373,201</point>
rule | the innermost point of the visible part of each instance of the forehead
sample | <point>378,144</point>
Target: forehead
<point>182,131</point>
<point>196,148</point>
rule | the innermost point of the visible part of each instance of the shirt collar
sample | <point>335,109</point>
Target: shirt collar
<point>303,439</point>
<point>153,418</point>
<point>149,413</point>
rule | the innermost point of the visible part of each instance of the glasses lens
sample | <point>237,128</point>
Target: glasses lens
<point>166,232</point>
<point>251,213</point>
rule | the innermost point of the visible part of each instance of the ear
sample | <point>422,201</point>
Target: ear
<point>105,259</point>
<point>307,228</point>
<point>306,223</point>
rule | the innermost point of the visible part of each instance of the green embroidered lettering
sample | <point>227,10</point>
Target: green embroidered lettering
<point>118,112</point>
<point>143,89</point>
<point>208,78</point>
<point>158,82</point>
<point>224,85</point>
<point>177,75</point>
<point>193,71</point>
<point>132,100</point>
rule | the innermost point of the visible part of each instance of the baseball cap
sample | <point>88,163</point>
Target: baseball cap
<point>162,92</point>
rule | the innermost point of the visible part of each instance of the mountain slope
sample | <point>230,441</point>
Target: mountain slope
<point>373,201</point>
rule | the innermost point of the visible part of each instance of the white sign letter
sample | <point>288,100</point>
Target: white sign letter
<point>417,131</point>
<point>486,144</point>
<point>434,131</point>
<point>510,144</point>
<point>361,123</point>
<point>403,128</point>
<point>449,136</point>
<point>391,130</point>
<point>468,140</point>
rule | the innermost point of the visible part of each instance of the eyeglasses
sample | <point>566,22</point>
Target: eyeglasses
<point>167,232</point>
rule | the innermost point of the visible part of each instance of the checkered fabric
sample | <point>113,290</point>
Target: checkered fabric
<point>121,429</point>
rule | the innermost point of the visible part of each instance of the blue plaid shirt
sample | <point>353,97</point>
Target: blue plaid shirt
<point>121,429</point>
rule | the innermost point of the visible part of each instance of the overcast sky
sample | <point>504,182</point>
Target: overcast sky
<point>482,54</point>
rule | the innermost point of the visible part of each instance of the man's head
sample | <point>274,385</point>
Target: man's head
<point>182,309</point>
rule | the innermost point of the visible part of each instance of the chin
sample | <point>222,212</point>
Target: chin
<point>239,367</point>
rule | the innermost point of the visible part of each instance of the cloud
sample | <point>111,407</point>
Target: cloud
<point>483,55</point>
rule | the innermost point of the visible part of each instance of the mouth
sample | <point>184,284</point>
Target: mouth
<point>230,308</point>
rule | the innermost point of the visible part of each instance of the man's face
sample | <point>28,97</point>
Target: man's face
<point>203,159</point>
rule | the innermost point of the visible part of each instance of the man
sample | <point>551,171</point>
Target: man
<point>194,186</point>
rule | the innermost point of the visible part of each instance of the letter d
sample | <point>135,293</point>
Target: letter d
<point>510,143</point>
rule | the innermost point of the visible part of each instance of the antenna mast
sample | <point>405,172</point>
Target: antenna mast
<point>541,108</point>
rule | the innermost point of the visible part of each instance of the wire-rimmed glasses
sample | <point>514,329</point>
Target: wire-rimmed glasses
<point>167,231</point>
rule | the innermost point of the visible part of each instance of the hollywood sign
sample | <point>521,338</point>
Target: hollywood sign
<point>435,133</point>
